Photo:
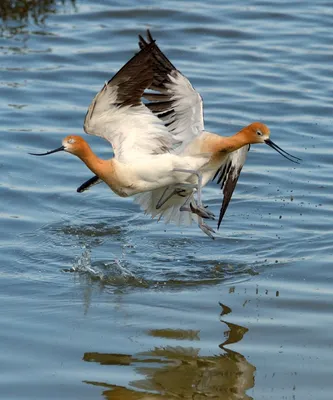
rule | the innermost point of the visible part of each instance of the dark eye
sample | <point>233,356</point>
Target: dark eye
<point>259,133</point>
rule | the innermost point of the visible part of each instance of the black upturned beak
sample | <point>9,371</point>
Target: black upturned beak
<point>61,148</point>
<point>282,152</point>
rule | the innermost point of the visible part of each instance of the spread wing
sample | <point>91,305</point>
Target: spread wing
<point>227,175</point>
<point>170,119</point>
<point>176,102</point>
<point>118,114</point>
<point>180,107</point>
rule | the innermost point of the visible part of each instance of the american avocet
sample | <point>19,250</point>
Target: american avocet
<point>162,154</point>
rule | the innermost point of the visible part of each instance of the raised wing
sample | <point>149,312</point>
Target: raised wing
<point>118,115</point>
<point>228,174</point>
<point>177,103</point>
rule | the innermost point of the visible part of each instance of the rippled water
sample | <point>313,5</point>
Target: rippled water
<point>98,301</point>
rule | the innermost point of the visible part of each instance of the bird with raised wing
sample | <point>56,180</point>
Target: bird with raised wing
<point>180,107</point>
<point>162,154</point>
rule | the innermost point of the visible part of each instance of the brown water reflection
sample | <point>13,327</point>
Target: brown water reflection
<point>173,372</point>
<point>21,11</point>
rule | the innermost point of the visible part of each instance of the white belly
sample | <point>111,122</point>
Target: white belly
<point>158,171</point>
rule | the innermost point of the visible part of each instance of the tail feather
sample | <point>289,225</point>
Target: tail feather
<point>170,211</point>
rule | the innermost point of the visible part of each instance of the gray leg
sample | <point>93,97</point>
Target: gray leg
<point>177,189</point>
<point>199,175</point>
<point>197,208</point>
<point>164,198</point>
<point>205,228</point>
<point>191,206</point>
<point>201,211</point>
<point>187,206</point>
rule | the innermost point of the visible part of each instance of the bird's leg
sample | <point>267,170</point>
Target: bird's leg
<point>197,208</point>
<point>191,206</point>
<point>177,189</point>
<point>164,198</point>
<point>201,211</point>
<point>205,228</point>
<point>186,205</point>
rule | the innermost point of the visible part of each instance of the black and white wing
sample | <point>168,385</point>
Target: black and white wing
<point>227,175</point>
<point>176,102</point>
<point>118,114</point>
<point>180,107</point>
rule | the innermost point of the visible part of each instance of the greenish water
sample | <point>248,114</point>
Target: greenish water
<point>99,301</point>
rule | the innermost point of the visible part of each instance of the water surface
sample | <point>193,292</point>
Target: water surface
<point>99,301</point>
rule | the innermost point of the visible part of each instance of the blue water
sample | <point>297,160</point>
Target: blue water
<point>100,301</point>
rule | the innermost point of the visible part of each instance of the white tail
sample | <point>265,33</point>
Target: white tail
<point>170,211</point>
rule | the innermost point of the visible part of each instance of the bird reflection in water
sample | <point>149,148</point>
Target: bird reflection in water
<point>173,372</point>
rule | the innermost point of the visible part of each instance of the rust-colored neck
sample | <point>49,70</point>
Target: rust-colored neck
<point>235,142</point>
<point>94,163</point>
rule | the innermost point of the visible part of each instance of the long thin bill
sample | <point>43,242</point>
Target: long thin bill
<point>61,148</point>
<point>286,155</point>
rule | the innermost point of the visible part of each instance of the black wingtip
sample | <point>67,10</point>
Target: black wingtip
<point>141,39</point>
<point>229,188</point>
<point>86,185</point>
<point>224,207</point>
<point>149,36</point>
<point>146,42</point>
<point>220,220</point>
